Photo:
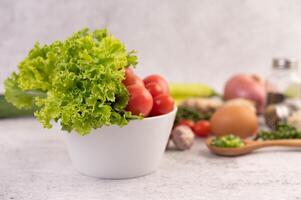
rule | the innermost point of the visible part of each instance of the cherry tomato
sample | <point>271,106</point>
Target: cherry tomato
<point>162,104</point>
<point>131,78</point>
<point>137,81</point>
<point>187,122</point>
<point>154,88</point>
<point>159,80</point>
<point>140,102</point>
<point>202,128</point>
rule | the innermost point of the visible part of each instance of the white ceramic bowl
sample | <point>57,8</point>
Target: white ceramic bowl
<point>113,152</point>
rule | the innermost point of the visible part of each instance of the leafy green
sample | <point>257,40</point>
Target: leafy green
<point>282,131</point>
<point>190,114</point>
<point>227,141</point>
<point>77,82</point>
<point>7,110</point>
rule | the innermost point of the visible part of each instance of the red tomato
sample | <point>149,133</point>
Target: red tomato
<point>154,88</point>
<point>187,122</point>
<point>202,128</point>
<point>131,78</point>
<point>137,81</point>
<point>159,80</point>
<point>140,102</point>
<point>162,104</point>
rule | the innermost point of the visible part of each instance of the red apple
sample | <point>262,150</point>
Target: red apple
<point>245,86</point>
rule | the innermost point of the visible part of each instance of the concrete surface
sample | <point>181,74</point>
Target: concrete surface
<point>34,165</point>
<point>194,41</point>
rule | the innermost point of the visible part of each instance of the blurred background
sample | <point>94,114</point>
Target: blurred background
<point>186,41</point>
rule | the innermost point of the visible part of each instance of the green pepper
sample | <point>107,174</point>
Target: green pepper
<point>227,141</point>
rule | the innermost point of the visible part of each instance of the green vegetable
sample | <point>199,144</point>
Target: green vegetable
<point>77,82</point>
<point>282,131</point>
<point>184,90</point>
<point>8,111</point>
<point>227,141</point>
<point>292,91</point>
<point>191,114</point>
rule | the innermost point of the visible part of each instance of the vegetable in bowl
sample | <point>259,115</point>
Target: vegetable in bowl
<point>77,82</point>
<point>87,82</point>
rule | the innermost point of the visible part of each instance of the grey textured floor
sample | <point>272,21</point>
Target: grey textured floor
<point>34,165</point>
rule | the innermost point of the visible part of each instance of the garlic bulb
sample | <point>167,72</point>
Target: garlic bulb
<point>182,137</point>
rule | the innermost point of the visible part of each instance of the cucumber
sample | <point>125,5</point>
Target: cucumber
<point>7,110</point>
<point>184,90</point>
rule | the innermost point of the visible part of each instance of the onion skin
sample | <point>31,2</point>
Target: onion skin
<point>250,87</point>
<point>241,102</point>
<point>234,119</point>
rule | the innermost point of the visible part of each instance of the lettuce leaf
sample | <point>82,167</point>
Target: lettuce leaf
<point>77,82</point>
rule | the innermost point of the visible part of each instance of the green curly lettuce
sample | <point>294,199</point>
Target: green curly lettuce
<point>77,82</point>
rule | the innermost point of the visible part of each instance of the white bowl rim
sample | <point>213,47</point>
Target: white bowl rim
<point>161,116</point>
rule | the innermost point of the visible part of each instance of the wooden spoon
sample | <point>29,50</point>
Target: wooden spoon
<point>251,146</point>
